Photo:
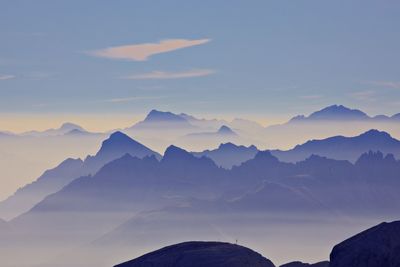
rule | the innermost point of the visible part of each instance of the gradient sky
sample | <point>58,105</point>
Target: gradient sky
<point>266,60</point>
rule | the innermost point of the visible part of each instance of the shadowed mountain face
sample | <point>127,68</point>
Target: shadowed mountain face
<point>227,155</point>
<point>301,264</point>
<point>53,180</point>
<point>340,147</point>
<point>376,247</point>
<point>199,254</point>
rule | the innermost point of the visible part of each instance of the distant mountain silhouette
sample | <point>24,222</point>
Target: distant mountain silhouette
<point>221,132</point>
<point>301,264</point>
<point>226,130</point>
<point>64,129</point>
<point>7,134</point>
<point>49,182</point>
<point>161,119</point>
<point>229,154</point>
<point>199,254</point>
<point>335,112</point>
<point>376,247</point>
<point>53,180</point>
<point>78,132</point>
<point>340,147</point>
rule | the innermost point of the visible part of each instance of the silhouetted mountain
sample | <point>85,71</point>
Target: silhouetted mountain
<point>160,116</point>
<point>117,145</point>
<point>376,247</point>
<point>396,117</point>
<point>229,154</point>
<point>340,147</point>
<point>199,254</point>
<point>161,119</point>
<point>225,130</point>
<point>77,132</point>
<point>301,264</point>
<point>334,112</point>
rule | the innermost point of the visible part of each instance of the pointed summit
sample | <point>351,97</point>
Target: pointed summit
<point>120,143</point>
<point>226,130</point>
<point>117,145</point>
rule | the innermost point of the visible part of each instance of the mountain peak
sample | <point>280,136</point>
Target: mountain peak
<point>338,112</point>
<point>160,116</point>
<point>226,130</point>
<point>119,136</point>
<point>174,152</point>
<point>120,143</point>
<point>373,133</point>
<point>68,126</point>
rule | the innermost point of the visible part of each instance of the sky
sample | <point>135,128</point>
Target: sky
<point>108,63</point>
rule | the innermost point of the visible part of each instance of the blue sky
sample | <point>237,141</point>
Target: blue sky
<point>271,59</point>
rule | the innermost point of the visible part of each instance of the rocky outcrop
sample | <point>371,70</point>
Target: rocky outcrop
<point>302,264</point>
<point>200,254</point>
<point>378,246</point>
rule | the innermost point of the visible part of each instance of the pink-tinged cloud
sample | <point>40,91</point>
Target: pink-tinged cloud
<point>158,75</point>
<point>142,52</point>
<point>4,77</point>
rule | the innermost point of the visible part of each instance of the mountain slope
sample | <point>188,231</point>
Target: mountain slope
<point>197,254</point>
<point>117,145</point>
<point>376,247</point>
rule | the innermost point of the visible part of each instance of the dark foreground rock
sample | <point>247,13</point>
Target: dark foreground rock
<point>378,246</point>
<point>302,264</point>
<point>201,254</point>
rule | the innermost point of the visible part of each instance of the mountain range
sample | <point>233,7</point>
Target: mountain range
<point>203,196</point>
<point>342,113</point>
<point>226,155</point>
<point>341,147</point>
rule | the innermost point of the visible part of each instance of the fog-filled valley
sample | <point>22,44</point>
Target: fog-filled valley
<point>102,198</point>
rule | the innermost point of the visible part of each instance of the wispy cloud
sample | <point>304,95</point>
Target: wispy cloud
<point>142,52</point>
<point>158,75</point>
<point>311,97</point>
<point>388,84</point>
<point>4,77</point>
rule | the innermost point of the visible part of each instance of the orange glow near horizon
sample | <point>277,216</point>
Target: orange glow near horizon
<point>19,123</point>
